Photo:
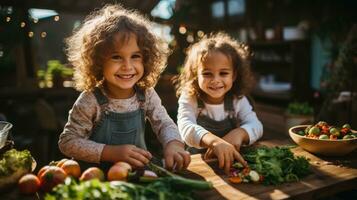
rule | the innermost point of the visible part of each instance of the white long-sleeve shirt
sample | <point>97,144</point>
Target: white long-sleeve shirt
<point>192,133</point>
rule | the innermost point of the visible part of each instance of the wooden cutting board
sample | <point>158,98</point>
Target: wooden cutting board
<point>329,176</point>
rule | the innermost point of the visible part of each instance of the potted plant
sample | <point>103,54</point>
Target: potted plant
<point>54,75</point>
<point>298,113</point>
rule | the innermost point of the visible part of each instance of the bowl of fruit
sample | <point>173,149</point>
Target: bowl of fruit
<point>325,139</point>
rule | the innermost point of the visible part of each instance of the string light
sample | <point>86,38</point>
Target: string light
<point>182,30</point>
<point>56,18</point>
<point>190,38</point>
<point>8,19</point>
<point>200,33</point>
<point>43,34</point>
<point>30,34</point>
<point>22,24</point>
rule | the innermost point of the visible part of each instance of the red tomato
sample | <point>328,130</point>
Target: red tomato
<point>52,176</point>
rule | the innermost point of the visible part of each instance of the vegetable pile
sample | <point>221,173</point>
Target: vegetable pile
<point>14,164</point>
<point>271,166</point>
<point>13,160</point>
<point>165,186</point>
<point>324,131</point>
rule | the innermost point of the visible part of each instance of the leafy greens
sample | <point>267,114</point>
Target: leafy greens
<point>277,164</point>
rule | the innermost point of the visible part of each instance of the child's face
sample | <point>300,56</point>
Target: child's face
<point>123,68</point>
<point>216,76</point>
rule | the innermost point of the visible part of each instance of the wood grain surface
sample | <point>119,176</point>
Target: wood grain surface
<point>329,175</point>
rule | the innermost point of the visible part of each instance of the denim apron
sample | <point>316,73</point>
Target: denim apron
<point>218,128</point>
<point>118,128</point>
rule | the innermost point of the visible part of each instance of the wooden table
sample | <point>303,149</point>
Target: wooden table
<point>329,176</point>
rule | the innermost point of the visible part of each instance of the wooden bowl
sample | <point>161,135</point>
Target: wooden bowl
<point>322,147</point>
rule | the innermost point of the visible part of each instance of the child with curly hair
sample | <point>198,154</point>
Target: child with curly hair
<point>214,115</point>
<point>117,62</point>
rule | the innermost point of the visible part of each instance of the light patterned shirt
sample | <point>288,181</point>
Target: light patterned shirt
<point>74,140</point>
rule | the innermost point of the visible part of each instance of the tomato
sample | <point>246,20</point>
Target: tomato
<point>72,168</point>
<point>92,173</point>
<point>52,176</point>
<point>42,170</point>
<point>29,184</point>
<point>60,163</point>
<point>118,172</point>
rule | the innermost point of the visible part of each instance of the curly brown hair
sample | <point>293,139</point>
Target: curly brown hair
<point>197,53</point>
<point>87,47</point>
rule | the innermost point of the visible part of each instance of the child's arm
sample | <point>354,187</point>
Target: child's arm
<point>249,121</point>
<point>190,131</point>
<point>73,141</point>
<point>237,137</point>
<point>167,133</point>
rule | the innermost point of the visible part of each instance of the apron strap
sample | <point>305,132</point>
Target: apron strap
<point>228,106</point>
<point>140,93</point>
<point>200,105</point>
<point>101,98</point>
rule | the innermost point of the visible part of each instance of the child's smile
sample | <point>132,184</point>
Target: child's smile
<point>125,76</point>
<point>123,68</point>
<point>216,77</point>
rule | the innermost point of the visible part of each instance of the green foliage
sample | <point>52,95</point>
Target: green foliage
<point>54,72</point>
<point>278,164</point>
<point>164,188</point>
<point>297,108</point>
<point>55,67</point>
<point>13,160</point>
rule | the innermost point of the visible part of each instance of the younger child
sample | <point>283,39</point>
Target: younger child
<point>213,112</point>
<point>117,61</point>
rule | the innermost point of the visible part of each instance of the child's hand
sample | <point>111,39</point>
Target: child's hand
<point>131,154</point>
<point>176,158</point>
<point>226,154</point>
<point>237,137</point>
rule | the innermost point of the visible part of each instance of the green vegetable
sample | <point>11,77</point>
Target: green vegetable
<point>161,172</point>
<point>168,187</point>
<point>298,108</point>
<point>347,137</point>
<point>323,137</point>
<point>301,132</point>
<point>13,160</point>
<point>335,132</point>
<point>314,130</point>
<point>346,126</point>
<point>163,189</point>
<point>178,181</point>
<point>277,164</point>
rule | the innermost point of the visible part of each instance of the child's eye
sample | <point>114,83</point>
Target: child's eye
<point>224,73</point>
<point>116,57</point>
<point>206,74</point>
<point>136,56</point>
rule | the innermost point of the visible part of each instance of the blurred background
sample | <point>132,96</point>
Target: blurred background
<point>304,59</point>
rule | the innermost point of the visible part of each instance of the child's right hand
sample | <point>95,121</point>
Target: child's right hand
<point>131,154</point>
<point>225,152</point>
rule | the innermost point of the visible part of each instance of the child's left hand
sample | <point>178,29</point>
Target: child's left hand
<point>176,158</point>
<point>237,137</point>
